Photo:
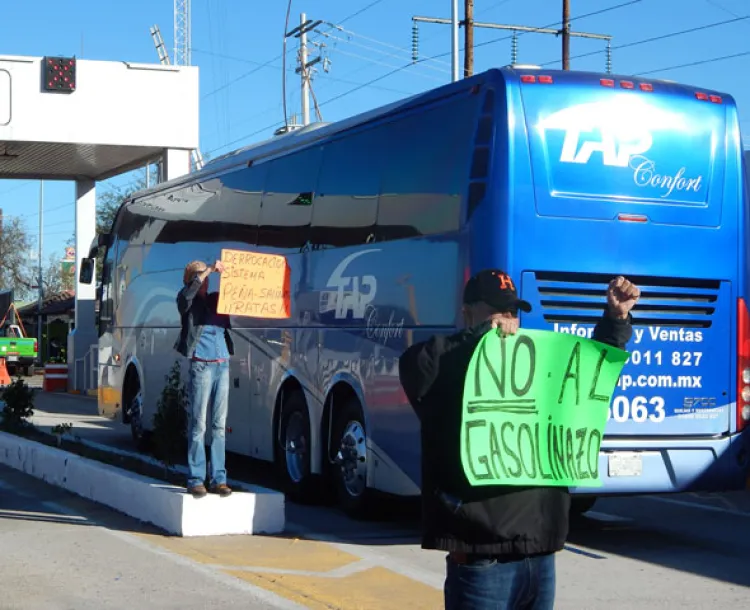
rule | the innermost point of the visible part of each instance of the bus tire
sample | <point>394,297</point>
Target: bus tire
<point>293,448</point>
<point>581,504</point>
<point>349,470</point>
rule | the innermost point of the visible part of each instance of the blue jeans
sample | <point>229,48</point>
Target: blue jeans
<point>209,385</point>
<point>485,584</point>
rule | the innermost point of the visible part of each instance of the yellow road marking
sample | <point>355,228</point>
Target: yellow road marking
<point>372,589</point>
<point>258,551</point>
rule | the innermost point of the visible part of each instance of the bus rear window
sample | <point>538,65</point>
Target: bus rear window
<point>596,144</point>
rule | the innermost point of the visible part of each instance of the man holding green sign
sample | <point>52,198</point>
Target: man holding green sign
<point>509,420</point>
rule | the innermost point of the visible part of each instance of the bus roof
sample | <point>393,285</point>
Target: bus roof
<point>307,135</point>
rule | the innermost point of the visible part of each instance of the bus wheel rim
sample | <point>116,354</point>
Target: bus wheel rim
<point>353,459</point>
<point>295,447</point>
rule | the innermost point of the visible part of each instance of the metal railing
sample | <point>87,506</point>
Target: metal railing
<point>85,370</point>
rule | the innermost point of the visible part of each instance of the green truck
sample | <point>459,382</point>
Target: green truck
<point>19,352</point>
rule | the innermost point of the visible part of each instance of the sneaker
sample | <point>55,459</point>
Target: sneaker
<point>197,491</point>
<point>222,489</point>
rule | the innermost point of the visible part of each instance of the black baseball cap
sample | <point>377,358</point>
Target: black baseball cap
<point>495,288</point>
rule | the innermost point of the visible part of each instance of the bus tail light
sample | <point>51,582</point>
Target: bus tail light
<point>544,79</point>
<point>705,97</point>
<point>743,365</point>
<point>36,345</point>
<point>632,218</point>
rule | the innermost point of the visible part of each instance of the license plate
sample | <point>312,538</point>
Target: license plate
<point>625,464</point>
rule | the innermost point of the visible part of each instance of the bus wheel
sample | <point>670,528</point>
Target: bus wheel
<point>293,449</point>
<point>581,504</point>
<point>349,441</point>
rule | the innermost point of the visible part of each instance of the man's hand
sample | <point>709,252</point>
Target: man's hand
<point>505,326</point>
<point>218,267</point>
<point>622,295</point>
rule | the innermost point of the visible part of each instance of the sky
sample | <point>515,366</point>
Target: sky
<point>238,46</point>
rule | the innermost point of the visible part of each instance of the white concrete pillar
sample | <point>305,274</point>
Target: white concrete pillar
<point>84,334</point>
<point>176,163</point>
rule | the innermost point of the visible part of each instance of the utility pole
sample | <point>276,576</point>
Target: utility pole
<point>303,70</point>
<point>454,40</point>
<point>566,35</point>
<point>470,24</point>
<point>468,38</point>
<point>40,297</point>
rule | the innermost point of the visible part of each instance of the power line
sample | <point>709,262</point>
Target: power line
<point>374,50</point>
<point>360,11</point>
<point>390,65</point>
<point>720,7</point>
<point>16,187</point>
<point>333,99</point>
<point>410,64</point>
<point>403,50</point>
<point>553,24</point>
<point>656,38</point>
<point>584,16</point>
<point>327,78</point>
<point>694,63</point>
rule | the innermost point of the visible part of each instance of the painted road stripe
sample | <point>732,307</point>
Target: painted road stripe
<point>258,593</point>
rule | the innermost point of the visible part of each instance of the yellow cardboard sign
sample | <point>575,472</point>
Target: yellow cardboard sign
<point>254,285</point>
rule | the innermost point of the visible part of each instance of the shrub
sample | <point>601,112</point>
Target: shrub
<point>19,405</point>
<point>170,420</point>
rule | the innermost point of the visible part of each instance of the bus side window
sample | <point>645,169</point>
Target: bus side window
<point>346,204</point>
<point>426,166</point>
<point>286,211</point>
<point>106,301</point>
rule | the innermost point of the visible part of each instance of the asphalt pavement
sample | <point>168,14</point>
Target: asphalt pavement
<point>676,552</point>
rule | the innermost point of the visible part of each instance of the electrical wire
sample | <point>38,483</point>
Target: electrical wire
<point>654,38</point>
<point>554,23</point>
<point>283,63</point>
<point>403,50</point>
<point>410,64</point>
<point>374,50</point>
<point>694,63</point>
<point>360,11</point>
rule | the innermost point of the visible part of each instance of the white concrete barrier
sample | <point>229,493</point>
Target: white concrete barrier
<point>255,511</point>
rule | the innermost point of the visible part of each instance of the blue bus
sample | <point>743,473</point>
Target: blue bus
<point>563,179</point>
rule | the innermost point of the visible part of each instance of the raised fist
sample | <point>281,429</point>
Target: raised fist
<point>622,295</point>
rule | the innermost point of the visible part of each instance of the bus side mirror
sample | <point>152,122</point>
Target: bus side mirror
<point>86,274</point>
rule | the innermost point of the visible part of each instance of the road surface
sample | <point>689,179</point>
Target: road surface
<point>679,552</point>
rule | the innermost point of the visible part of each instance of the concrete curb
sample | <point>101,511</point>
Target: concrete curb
<point>168,507</point>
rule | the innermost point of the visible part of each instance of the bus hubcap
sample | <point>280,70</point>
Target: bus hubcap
<point>353,458</point>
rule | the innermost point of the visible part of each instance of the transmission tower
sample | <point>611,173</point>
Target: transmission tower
<point>182,36</point>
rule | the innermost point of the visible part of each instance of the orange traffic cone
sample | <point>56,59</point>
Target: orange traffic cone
<point>4,376</point>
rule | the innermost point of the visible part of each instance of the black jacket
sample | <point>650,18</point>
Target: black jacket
<point>507,521</point>
<point>194,313</point>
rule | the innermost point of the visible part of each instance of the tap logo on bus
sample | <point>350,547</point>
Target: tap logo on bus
<point>352,293</point>
<point>619,133</point>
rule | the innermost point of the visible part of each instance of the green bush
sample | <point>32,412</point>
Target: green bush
<point>170,420</point>
<point>19,405</point>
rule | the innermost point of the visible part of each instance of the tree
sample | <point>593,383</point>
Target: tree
<point>109,201</point>
<point>15,246</point>
<point>54,279</point>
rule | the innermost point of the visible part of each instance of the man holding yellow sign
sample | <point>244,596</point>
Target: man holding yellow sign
<point>510,419</point>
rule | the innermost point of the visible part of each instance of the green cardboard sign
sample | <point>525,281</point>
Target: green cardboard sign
<point>534,409</point>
